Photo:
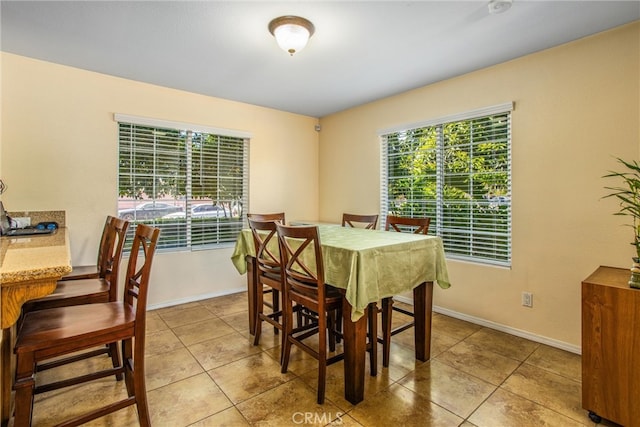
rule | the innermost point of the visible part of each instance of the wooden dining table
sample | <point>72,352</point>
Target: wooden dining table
<point>29,268</point>
<point>367,265</point>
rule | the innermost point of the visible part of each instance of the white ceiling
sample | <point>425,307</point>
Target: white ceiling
<point>361,50</point>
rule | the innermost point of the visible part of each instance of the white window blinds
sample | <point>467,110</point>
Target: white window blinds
<point>191,184</point>
<point>458,173</point>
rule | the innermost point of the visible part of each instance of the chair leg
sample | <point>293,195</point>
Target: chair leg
<point>339,323</point>
<point>114,352</point>
<point>299,317</point>
<point>258,316</point>
<point>387,308</point>
<point>283,336</point>
<point>133,359</point>
<point>331,325</point>
<point>24,387</point>
<point>322,358</point>
<point>140,388</point>
<point>127,360</point>
<point>322,378</point>
<point>275,302</point>
<point>372,314</point>
<point>286,331</point>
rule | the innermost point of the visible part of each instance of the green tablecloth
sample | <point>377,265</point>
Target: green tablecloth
<point>369,264</point>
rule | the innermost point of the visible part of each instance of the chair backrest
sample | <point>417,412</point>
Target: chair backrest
<point>100,263</point>
<point>363,221</point>
<point>404,224</point>
<point>138,271</point>
<point>111,253</point>
<point>279,217</point>
<point>302,265</point>
<point>267,252</point>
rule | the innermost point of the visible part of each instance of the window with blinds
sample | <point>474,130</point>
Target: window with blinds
<point>457,171</point>
<point>190,183</point>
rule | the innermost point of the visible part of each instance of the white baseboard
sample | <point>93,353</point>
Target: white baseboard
<point>502,328</point>
<point>194,299</point>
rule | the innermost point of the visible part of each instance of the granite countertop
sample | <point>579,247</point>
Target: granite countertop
<point>34,257</point>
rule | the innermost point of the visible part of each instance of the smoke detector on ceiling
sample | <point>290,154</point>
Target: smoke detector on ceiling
<point>499,6</point>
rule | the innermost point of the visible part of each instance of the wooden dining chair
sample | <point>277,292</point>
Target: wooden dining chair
<point>368,222</point>
<point>59,331</point>
<point>304,285</point>
<point>402,225</point>
<point>88,291</point>
<point>363,221</point>
<point>274,304</point>
<point>97,270</point>
<point>268,275</point>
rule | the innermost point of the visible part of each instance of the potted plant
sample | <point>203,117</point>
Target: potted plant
<point>629,197</point>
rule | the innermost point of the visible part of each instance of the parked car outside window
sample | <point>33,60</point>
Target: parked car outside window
<point>149,210</point>
<point>200,211</point>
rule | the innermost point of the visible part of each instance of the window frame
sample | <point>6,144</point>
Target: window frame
<point>437,227</point>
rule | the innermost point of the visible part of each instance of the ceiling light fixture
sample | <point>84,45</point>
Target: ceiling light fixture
<point>499,6</point>
<point>291,32</point>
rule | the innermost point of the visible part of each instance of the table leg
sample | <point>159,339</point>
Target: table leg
<point>355,348</point>
<point>5,379</point>
<point>251,292</point>
<point>423,306</point>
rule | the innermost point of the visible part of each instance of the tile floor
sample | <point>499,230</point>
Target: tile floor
<point>202,370</point>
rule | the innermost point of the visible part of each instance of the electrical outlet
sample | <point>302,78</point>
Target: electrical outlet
<point>527,299</point>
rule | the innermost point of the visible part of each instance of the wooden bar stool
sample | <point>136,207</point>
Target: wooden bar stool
<point>401,225</point>
<point>274,305</point>
<point>269,275</point>
<point>304,285</point>
<point>368,222</point>
<point>78,291</point>
<point>63,330</point>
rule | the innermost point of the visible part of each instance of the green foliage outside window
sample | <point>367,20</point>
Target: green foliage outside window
<point>459,174</point>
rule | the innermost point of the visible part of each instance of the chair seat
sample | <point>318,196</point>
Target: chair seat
<point>273,275</point>
<point>54,327</point>
<point>332,291</point>
<point>72,292</point>
<point>79,287</point>
<point>333,299</point>
<point>81,272</point>
<point>332,295</point>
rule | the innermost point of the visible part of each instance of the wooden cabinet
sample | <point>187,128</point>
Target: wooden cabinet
<point>611,347</point>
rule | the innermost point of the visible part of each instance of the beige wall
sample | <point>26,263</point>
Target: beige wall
<point>576,108</point>
<point>58,150</point>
